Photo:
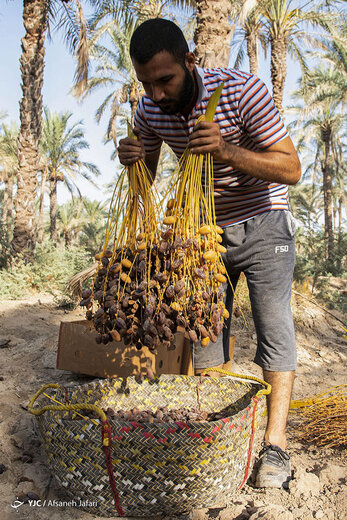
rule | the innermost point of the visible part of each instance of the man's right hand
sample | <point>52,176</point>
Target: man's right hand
<point>131,150</point>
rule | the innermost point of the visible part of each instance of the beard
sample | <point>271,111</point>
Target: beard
<point>172,106</point>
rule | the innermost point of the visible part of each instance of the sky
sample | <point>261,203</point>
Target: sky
<point>58,78</point>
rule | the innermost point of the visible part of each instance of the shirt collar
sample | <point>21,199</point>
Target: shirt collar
<point>200,77</point>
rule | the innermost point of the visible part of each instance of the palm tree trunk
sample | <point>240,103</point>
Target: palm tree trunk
<point>41,209</point>
<point>340,206</point>
<point>213,33</point>
<point>10,203</point>
<point>5,202</point>
<point>327,190</point>
<point>67,238</point>
<point>334,214</point>
<point>32,65</point>
<point>278,70</point>
<point>7,206</point>
<point>339,233</point>
<point>53,209</point>
<point>253,55</point>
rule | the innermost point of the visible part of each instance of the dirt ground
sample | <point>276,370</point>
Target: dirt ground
<point>28,343</point>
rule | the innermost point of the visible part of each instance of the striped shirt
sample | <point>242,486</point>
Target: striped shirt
<point>247,117</point>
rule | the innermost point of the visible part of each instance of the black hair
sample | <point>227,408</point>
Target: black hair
<point>157,35</point>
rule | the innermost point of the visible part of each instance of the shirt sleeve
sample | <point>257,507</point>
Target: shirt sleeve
<point>261,119</point>
<point>152,142</point>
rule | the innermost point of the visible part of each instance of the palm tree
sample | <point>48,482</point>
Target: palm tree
<point>38,17</point>
<point>336,51</point>
<point>247,38</point>
<point>333,84</point>
<point>92,234</point>
<point>70,220</point>
<point>9,169</point>
<point>322,121</point>
<point>286,31</point>
<point>60,150</point>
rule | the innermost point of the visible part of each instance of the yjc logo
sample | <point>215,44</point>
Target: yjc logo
<point>37,503</point>
<point>16,504</point>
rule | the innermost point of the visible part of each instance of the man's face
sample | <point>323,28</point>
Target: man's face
<point>166,82</point>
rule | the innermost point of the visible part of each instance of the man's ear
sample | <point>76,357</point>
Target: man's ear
<point>190,61</point>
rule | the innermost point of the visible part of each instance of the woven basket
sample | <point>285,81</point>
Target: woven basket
<point>135,469</point>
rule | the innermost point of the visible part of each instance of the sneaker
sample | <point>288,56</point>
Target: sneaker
<point>272,469</point>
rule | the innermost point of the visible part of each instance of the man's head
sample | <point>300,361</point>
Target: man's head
<point>163,64</point>
<point>157,35</point>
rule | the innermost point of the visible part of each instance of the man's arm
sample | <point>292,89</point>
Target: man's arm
<point>278,163</point>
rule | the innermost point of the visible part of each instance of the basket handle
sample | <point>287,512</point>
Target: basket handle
<point>105,429</point>
<point>263,391</point>
<point>62,407</point>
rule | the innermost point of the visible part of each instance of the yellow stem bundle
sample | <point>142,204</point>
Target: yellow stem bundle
<point>324,421</point>
<point>152,278</point>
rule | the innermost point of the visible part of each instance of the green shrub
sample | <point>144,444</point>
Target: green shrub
<point>49,271</point>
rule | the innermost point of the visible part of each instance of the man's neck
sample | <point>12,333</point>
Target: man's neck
<point>187,110</point>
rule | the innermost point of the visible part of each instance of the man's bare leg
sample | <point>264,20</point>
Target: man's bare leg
<point>273,469</point>
<point>278,403</point>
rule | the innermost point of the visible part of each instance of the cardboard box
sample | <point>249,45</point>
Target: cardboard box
<point>79,352</point>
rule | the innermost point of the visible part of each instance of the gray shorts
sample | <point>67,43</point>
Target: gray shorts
<point>264,249</point>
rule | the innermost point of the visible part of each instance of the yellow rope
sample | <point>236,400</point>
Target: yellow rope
<point>263,391</point>
<point>79,414</point>
<point>62,407</point>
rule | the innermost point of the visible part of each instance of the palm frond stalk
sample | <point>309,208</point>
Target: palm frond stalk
<point>75,284</point>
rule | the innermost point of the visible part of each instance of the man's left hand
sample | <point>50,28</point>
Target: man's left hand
<point>207,138</point>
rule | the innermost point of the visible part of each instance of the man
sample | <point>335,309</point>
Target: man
<point>254,162</point>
